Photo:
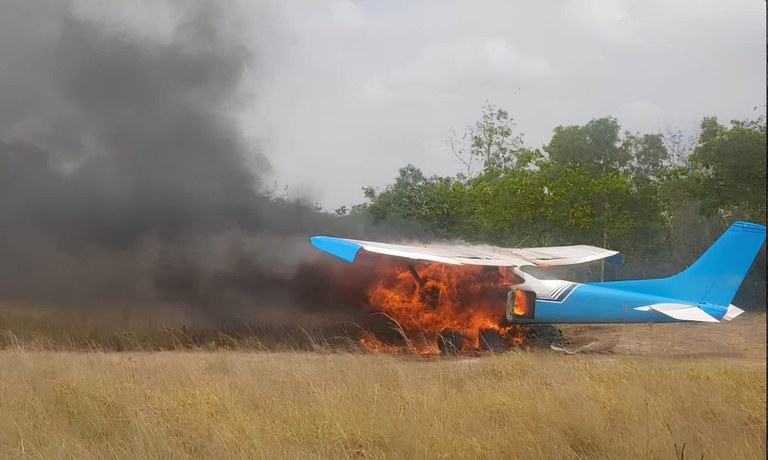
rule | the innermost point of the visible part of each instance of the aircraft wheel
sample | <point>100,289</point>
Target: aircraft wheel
<point>544,335</point>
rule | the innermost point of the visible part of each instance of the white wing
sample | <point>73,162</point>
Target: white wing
<point>347,249</point>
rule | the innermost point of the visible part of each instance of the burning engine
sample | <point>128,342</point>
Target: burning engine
<point>451,309</point>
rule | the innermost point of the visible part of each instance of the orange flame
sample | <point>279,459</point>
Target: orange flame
<point>427,299</point>
<point>370,342</point>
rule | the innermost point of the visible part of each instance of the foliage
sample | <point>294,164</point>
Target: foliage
<point>649,156</point>
<point>641,194</point>
<point>492,143</point>
<point>595,146</point>
<point>730,169</point>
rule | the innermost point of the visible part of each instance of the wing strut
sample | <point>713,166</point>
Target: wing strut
<point>428,293</point>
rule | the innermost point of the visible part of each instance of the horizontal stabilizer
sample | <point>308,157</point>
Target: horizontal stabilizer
<point>680,312</point>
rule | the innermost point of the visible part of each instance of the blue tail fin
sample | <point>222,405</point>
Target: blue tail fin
<point>716,276</point>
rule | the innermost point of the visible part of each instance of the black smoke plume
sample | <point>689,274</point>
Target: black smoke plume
<point>124,179</point>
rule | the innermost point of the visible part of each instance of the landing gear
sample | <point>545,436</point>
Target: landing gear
<point>429,293</point>
<point>451,342</point>
<point>544,335</point>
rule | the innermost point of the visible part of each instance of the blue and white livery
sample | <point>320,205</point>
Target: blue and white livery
<point>702,292</point>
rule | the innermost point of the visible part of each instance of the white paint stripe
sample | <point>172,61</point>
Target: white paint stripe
<point>570,289</point>
<point>560,289</point>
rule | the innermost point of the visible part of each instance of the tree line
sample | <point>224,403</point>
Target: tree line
<point>660,199</point>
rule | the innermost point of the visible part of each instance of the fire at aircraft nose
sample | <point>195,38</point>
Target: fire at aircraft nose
<point>439,308</point>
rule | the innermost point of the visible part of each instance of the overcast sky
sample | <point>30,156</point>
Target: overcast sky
<point>346,92</point>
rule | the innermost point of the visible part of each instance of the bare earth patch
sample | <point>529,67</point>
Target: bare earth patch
<point>744,337</point>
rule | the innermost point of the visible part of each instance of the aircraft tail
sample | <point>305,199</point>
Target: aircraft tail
<point>716,276</point>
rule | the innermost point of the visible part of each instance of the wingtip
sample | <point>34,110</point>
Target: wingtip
<point>343,249</point>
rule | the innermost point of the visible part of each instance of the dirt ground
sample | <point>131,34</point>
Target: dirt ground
<point>742,338</point>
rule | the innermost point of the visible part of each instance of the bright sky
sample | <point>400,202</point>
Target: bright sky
<point>350,91</point>
<point>346,92</point>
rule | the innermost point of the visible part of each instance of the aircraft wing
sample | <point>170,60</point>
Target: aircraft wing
<point>459,254</point>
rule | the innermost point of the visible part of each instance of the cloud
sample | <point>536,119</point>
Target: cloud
<point>346,14</point>
<point>368,99</point>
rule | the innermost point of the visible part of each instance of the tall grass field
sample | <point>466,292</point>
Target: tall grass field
<point>230,404</point>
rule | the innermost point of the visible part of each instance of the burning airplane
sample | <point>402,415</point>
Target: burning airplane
<point>481,295</point>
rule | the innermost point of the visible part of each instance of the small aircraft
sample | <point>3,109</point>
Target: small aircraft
<point>702,292</point>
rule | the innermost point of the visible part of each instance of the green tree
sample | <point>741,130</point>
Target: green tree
<point>405,198</point>
<point>508,209</point>
<point>729,167</point>
<point>657,199</point>
<point>649,155</point>
<point>595,146</point>
<point>492,143</point>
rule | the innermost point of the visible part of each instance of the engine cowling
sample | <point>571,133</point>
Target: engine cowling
<point>521,304</point>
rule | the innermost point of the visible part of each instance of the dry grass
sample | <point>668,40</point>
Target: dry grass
<point>35,327</point>
<point>63,394</point>
<point>302,405</point>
